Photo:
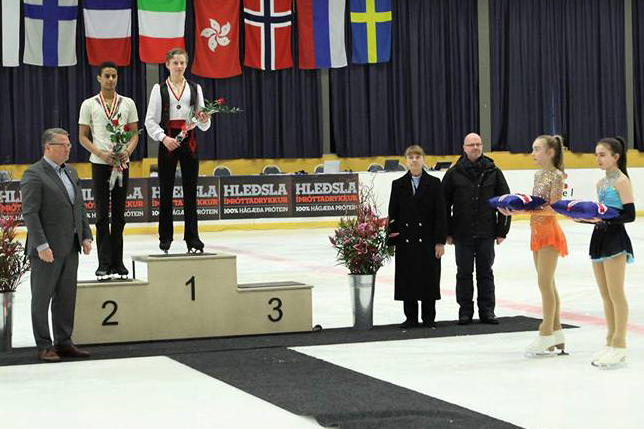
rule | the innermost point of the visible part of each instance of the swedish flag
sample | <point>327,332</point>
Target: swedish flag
<point>371,30</point>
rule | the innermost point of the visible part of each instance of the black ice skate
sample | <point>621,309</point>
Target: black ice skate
<point>120,271</point>
<point>194,245</point>
<point>165,245</point>
<point>102,273</point>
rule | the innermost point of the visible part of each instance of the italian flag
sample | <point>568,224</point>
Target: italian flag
<point>161,28</point>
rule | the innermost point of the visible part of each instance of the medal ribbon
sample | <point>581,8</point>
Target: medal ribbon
<point>109,110</point>
<point>183,88</point>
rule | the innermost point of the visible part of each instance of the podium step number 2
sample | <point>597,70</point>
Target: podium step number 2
<point>188,297</point>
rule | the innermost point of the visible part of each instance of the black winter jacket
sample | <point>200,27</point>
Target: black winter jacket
<point>467,186</point>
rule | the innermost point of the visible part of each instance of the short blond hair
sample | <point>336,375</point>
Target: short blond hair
<point>175,51</point>
<point>414,150</point>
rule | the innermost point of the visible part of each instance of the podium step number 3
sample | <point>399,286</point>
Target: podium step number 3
<point>188,297</point>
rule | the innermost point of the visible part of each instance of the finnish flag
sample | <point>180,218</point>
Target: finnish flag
<point>50,32</point>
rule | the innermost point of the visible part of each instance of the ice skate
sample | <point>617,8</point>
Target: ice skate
<point>541,346</point>
<point>560,340</point>
<point>194,245</point>
<point>102,273</point>
<point>120,271</point>
<point>613,358</point>
<point>165,246</point>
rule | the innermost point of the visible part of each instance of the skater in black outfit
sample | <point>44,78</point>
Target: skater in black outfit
<point>171,104</point>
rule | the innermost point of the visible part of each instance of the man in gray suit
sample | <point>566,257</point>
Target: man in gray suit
<point>57,229</point>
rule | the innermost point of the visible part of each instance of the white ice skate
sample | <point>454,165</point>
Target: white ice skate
<point>541,346</point>
<point>613,358</point>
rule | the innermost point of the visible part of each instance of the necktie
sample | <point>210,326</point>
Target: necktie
<point>67,182</point>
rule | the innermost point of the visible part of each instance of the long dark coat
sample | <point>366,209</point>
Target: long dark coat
<point>420,219</point>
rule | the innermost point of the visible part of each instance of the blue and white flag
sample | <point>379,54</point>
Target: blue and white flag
<point>50,32</point>
<point>10,19</point>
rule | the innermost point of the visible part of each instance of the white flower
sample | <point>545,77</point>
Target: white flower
<point>216,34</point>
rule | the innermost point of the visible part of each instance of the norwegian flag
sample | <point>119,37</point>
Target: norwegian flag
<point>267,25</point>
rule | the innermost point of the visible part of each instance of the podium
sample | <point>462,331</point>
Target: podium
<point>188,296</point>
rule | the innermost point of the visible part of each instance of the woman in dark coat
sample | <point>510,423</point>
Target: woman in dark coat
<point>418,229</point>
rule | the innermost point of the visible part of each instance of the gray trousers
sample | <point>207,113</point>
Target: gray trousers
<point>53,283</point>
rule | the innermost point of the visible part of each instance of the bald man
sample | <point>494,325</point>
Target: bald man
<point>473,227</point>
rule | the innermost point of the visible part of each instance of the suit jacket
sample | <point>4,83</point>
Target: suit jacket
<point>420,219</point>
<point>49,214</point>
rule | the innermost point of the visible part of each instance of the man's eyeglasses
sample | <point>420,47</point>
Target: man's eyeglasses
<point>474,145</point>
<point>67,145</point>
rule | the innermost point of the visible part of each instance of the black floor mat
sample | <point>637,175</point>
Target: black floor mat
<point>333,395</point>
<point>262,366</point>
<point>326,336</point>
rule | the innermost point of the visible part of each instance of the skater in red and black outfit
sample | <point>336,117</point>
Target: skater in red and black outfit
<point>171,105</point>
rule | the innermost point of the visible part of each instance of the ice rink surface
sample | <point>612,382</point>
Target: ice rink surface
<point>485,373</point>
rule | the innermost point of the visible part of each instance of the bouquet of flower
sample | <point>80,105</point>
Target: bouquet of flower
<point>210,107</point>
<point>361,241</point>
<point>120,135</point>
<point>14,263</point>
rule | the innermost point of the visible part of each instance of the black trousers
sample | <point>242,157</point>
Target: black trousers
<point>109,232</point>
<point>428,310</point>
<point>189,162</point>
<point>471,252</point>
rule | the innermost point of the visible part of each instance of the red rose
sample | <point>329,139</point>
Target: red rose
<point>221,101</point>
<point>126,128</point>
<point>115,122</point>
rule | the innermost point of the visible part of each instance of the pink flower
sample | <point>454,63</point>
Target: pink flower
<point>361,247</point>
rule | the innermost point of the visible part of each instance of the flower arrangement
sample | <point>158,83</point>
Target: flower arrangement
<point>120,135</point>
<point>210,107</point>
<point>361,241</point>
<point>14,263</point>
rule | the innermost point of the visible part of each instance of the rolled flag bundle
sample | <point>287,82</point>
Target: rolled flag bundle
<point>517,202</point>
<point>578,209</point>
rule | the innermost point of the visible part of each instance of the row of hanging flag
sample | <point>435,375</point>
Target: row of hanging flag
<point>50,32</point>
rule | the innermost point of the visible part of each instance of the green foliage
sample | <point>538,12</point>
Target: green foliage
<point>361,241</point>
<point>14,263</point>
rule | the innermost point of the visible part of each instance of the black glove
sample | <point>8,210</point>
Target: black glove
<point>626,215</point>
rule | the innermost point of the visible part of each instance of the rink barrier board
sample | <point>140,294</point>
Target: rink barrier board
<point>227,198</point>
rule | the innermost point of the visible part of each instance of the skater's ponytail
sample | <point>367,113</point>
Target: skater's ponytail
<point>556,144</point>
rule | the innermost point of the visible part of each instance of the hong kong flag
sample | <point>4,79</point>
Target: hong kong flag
<point>267,25</point>
<point>216,38</point>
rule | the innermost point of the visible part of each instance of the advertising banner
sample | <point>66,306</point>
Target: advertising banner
<point>136,203</point>
<point>247,197</point>
<point>10,202</point>
<point>207,199</point>
<point>233,197</point>
<point>325,195</point>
